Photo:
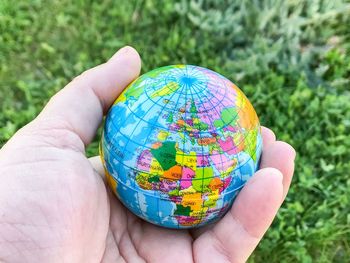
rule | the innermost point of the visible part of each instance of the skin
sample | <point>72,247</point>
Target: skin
<point>55,206</point>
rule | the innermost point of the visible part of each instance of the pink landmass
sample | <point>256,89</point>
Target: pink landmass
<point>167,185</point>
<point>231,128</point>
<point>144,160</point>
<point>228,146</point>
<point>227,182</point>
<point>218,85</point>
<point>186,220</point>
<point>175,199</point>
<point>211,110</point>
<point>187,175</point>
<point>202,160</point>
<point>221,161</point>
<point>174,127</point>
<point>213,114</point>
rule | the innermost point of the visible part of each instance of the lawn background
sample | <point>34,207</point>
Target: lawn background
<point>291,58</point>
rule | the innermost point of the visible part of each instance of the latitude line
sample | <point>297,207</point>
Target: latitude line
<point>137,170</point>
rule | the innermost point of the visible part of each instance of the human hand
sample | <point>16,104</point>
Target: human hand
<point>55,207</point>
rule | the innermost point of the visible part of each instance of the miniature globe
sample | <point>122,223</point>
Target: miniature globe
<point>178,144</point>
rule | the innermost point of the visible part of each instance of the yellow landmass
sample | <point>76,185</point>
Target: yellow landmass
<point>162,135</point>
<point>200,212</point>
<point>229,169</point>
<point>251,141</point>
<point>188,190</point>
<point>122,97</point>
<point>111,181</point>
<point>212,198</point>
<point>142,180</point>
<point>182,136</point>
<point>247,115</point>
<point>189,160</point>
<point>155,168</point>
<point>166,90</point>
<point>193,200</point>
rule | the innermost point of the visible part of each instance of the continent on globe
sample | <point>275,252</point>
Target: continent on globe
<point>178,145</point>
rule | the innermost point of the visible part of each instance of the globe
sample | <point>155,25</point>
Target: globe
<point>178,145</point>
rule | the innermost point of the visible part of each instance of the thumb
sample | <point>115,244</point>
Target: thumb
<point>79,107</point>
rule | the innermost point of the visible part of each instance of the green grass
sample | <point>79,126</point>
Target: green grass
<point>291,58</point>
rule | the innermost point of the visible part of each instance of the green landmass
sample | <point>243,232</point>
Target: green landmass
<point>165,155</point>
<point>228,116</point>
<point>202,179</point>
<point>182,210</point>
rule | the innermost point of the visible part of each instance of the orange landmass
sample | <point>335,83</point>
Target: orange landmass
<point>206,141</point>
<point>174,173</point>
<point>215,183</point>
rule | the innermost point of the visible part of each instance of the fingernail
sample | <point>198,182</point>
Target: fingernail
<point>121,52</point>
<point>294,153</point>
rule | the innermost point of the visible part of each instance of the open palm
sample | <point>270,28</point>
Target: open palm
<point>55,206</point>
